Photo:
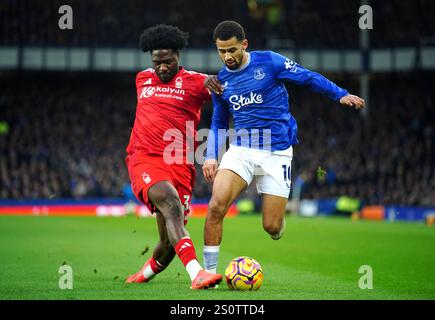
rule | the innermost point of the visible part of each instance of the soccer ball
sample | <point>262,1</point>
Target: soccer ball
<point>244,273</point>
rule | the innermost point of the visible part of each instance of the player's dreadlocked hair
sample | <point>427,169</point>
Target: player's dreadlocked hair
<point>163,36</point>
<point>228,29</point>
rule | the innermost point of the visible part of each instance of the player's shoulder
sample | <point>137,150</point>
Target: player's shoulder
<point>189,74</point>
<point>193,78</point>
<point>222,72</point>
<point>147,73</point>
<point>263,56</point>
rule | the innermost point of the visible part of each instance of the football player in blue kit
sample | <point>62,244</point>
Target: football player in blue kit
<point>251,89</point>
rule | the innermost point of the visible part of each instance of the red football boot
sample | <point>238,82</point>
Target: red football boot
<point>205,280</point>
<point>138,277</point>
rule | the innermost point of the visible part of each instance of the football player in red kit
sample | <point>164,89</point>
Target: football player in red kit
<point>169,98</point>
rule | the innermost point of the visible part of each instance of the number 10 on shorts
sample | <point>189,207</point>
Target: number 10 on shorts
<point>287,172</point>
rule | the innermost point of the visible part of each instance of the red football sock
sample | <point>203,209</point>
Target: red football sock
<point>153,268</point>
<point>156,267</point>
<point>185,250</point>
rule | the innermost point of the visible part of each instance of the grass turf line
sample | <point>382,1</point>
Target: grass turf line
<point>317,258</point>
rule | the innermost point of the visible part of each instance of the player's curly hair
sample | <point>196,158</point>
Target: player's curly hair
<point>228,29</point>
<point>163,36</point>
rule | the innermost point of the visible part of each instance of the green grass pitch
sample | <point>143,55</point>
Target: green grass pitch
<point>317,258</point>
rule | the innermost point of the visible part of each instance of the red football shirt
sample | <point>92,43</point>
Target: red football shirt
<point>167,113</point>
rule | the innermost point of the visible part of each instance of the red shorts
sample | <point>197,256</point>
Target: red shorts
<point>147,170</point>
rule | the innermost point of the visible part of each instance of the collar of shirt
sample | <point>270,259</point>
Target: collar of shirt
<point>248,61</point>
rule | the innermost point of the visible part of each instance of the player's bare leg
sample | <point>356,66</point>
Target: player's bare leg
<point>227,186</point>
<point>164,196</point>
<point>162,256</point>
<point>274,215</point>
<point>164,251</point>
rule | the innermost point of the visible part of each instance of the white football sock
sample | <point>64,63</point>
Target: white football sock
<point>193,267</point>
<point>148,273</point>
<point>211,255</point>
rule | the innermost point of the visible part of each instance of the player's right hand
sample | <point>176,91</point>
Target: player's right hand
<point>213,84</point>
<point>209,169</point>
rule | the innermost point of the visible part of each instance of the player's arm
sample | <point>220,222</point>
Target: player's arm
<point>141,78</point>
<point>138,85</point>
<point>216,137</point>
<point>207,84</point>
<point>288,70</point>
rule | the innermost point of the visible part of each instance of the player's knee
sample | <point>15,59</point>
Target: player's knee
<point>271,228</point>
<point>174,210</point>
<point>165,198</point>
<point>170,207</point>
<point>216,209</point>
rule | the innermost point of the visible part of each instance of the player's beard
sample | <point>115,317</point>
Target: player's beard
<point>236,63</point>
<point>232,66</point>
<point>166,77</point>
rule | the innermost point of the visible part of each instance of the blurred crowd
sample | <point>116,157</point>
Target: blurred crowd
<point>268,23</point>
<point>387,157</point>
<point>65,136</point>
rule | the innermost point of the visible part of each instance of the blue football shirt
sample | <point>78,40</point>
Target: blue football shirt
<point>258,101</point>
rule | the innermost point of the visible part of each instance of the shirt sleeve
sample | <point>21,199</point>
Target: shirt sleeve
<point>219,126</point>
<point>138,86</point>
<point>204,92</point>
<point>288,70</point>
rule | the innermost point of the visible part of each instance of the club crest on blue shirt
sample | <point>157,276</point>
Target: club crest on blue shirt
<point>259,74</point>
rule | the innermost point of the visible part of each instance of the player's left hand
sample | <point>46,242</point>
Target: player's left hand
<point>352,101</point>
<point>212,83</point>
